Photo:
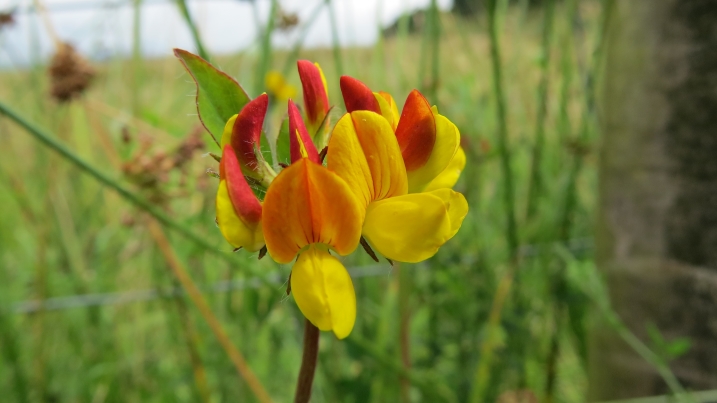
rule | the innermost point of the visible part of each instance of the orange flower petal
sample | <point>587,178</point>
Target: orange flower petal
<point>444,150</point>
<point>357,96</point>
<point>246,133</point>
<point>416,131</point>
<point>306,203</point>
<point>297,131</point>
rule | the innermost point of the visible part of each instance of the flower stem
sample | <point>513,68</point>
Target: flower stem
<point>308,363</point>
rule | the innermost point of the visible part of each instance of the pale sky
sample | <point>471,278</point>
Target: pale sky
<point>103,28</point>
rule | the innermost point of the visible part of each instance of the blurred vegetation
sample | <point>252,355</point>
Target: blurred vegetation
<point>489,318</point>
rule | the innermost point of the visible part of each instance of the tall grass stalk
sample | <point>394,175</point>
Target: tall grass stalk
<point>491,338</point>
<point>197,298</point>
<point>290,62</point>
<point>588,121</point>
<point>431,387</point>
<point>136,54</point>
<point>50,142</point>
<point>435,39</point>
<point>536,175</point>
<point>558,278</point>
<point>404,327</point>
<point>11,355</point>
<point>194,30</point>
<point>336,44</point>
<point>503,141</point>
<point>265,50</point>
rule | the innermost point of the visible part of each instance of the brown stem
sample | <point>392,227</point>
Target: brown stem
<point>180,273</point>
<point>308,363</point>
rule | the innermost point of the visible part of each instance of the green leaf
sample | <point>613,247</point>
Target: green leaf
<point>283,152</point>
<point>219,96</point>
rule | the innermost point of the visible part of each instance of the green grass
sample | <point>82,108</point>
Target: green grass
<point>62,233</point>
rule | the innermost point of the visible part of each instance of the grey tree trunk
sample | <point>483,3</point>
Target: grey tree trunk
<point>657,226</point>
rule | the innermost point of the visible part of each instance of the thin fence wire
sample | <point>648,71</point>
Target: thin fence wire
<point>577,247</point>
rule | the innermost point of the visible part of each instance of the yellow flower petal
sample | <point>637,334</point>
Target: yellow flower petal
<point>227,134</point>
<point>408,228</point>
<point>237,232</point>
<point>306,203</point>
<point>445,147</point>
<point>456,205</point>
<point>450,175</point>
<point>364,152</point>
<point>323,291</point>
<point>388,107</point>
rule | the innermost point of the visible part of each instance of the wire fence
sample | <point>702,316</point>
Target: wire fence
<point>577,247</point>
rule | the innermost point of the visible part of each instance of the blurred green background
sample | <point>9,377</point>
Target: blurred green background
<point>92,313</point>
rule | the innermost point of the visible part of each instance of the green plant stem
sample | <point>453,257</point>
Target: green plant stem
<point>180,273</point>
<point>430,387</point>
<point>487,348</point>
<point>265,51</point>
<point>503,147</point>
<point>136,55</point>
<point>536,178</point>
<point>11,355</point>
<point>589,118</point>
<point>50,142</point>
<point>404,283</point>
<point>435,38</point>
<point>290,62</point>
<point>338,58</point>
<point>184,10</point>
<point>308,363</point>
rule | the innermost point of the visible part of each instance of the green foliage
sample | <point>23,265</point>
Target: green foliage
<point>62,233</point>
<point>219,96</point>
<point>667,350</point>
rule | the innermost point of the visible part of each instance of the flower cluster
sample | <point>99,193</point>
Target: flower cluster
<point>386,180</point>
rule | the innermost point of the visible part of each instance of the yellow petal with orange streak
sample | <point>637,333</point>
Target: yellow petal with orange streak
<point>364,152</point>
<point>444,149</point>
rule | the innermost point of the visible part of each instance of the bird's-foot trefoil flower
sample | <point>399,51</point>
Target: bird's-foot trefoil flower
<point>387,179</point>
<point>309,212</point>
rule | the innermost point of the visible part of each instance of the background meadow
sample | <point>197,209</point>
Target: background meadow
<point>91,310</point>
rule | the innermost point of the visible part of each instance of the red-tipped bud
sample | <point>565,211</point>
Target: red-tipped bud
<point>299,137</point>
<point>246,133</point>
<point>316,99</point>
<point>245,203</point>
<point>416,131</point>
<point>357,96</point>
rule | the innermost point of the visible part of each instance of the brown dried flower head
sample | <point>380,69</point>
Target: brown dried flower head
<point>7,18</point>
<point>70,73</point>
